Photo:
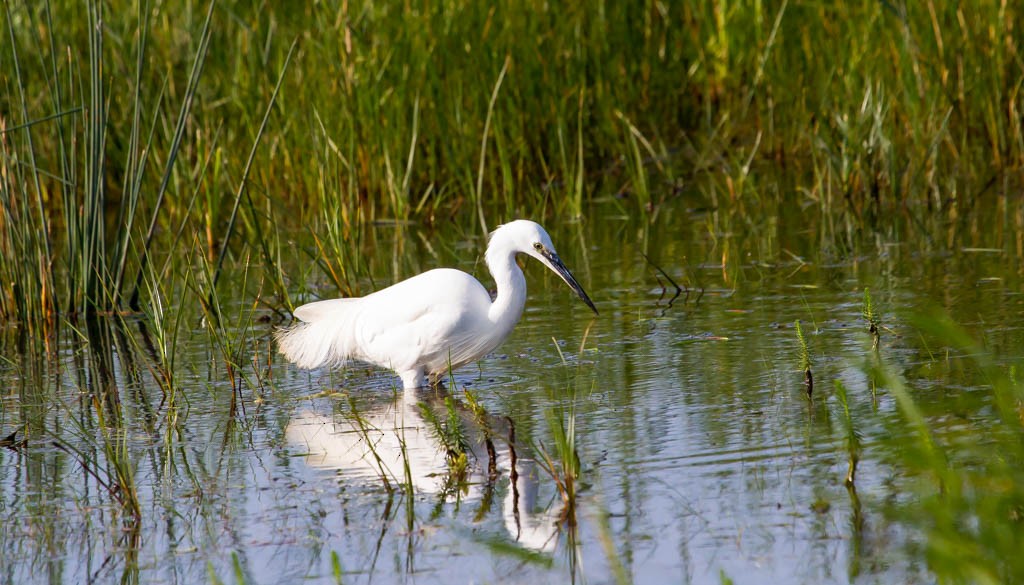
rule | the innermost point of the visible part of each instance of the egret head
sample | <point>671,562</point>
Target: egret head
<point>527,237</point>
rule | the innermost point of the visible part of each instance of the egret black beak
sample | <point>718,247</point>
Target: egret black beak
<point>555,263</point>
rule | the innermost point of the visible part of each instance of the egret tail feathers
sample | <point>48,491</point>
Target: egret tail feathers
<point>320,310</point>
<point>323,338</point>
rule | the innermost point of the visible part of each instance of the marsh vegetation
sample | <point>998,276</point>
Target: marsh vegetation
<point>174,179</point>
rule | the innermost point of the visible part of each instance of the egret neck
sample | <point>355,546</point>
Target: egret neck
<point>511,283</point>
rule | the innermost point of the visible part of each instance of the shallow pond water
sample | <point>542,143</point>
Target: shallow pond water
<point>700,455</point>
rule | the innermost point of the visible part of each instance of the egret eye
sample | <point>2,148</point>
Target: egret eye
<point>538,246</point>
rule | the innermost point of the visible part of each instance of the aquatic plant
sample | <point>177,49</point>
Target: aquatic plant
<point>852,439</point>
<point>451,434</point>
<point>482,421</point>
<point>968,495</point>
<point>88,273</point>
<point>871,317</point>
<point>563,465</point>
<point>805,359</point>
<point>421,110</point>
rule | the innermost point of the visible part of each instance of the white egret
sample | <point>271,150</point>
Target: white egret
<point>424,325</point>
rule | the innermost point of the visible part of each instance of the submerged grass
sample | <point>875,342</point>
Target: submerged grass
<point>450,433</point>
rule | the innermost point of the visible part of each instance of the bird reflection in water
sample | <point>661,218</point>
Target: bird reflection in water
<point>399,443</point>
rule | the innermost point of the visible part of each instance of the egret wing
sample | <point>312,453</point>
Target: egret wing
<point>436,318</point>
<point>430,321</point>
<point>402,338</point>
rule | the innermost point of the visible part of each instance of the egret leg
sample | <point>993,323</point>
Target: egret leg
<point>412,379</point>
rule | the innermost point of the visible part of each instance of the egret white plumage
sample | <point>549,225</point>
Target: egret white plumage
<point>426,324</point>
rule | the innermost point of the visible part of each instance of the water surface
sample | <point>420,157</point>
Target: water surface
<point>701,455</point>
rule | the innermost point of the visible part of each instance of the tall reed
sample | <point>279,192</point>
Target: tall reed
<point>428,110</point>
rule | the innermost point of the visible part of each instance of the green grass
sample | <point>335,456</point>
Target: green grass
<point>871,316</point>
<point>967,495</point>
<point>853,438</point>
<point>123,122</point>
<point>450,432</point>
<point>804,353</point>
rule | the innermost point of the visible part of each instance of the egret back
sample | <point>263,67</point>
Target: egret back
<point>430,321</point>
